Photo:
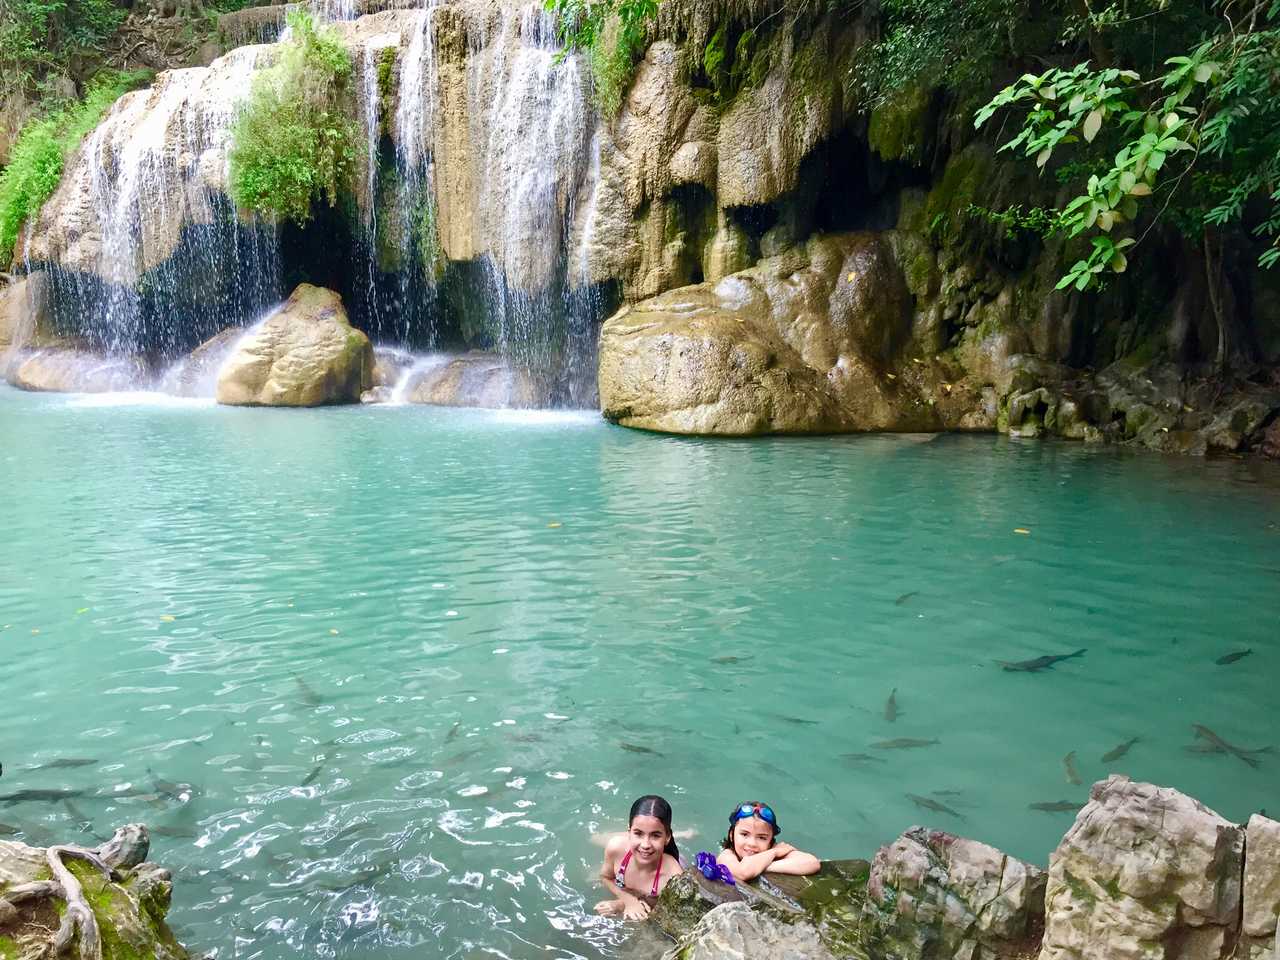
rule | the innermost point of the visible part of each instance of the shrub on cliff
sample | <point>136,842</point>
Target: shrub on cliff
<point>35,163</point>
<point>293,143</point>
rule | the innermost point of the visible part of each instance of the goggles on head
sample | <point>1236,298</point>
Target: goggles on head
<point>761,810</point>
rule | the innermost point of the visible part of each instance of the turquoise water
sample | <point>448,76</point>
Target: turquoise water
<point>396,652</point>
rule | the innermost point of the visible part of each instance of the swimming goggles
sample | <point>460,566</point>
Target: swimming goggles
<point>761,810</point>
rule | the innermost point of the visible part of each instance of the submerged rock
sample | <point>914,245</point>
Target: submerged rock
<point>934,896</point>
<point>1145,873</point>
<point>303,355</point>
<point>475,379</point>
<point>74,370</point>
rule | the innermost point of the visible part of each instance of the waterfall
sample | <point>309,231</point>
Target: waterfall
<point>172,262</point>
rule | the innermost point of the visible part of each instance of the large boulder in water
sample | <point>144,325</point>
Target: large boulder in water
<point>803,342</point>
<point>24,310</point>
<point>475,379</point>
<point>303,355</point>
<point>1145,873</point>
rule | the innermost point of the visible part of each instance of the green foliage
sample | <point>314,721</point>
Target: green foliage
<point>37,158</point>
<point>1016,222</point>
<point>1197,143</point>
<point>43,38</point>
<point>293,143</point>
<point>613,33</point>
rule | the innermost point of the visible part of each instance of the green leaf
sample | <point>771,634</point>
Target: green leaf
<point>1092,123</point>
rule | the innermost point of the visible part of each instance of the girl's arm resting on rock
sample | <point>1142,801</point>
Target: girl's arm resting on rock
<point>750,867</point>
<point>797,863</point>
<point>609,875</point>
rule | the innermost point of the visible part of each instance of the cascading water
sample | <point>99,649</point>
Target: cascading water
<point>174,263</point>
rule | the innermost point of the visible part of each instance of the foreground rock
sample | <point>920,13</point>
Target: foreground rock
<point>475,379</point>
<point>1146,873</point>
<point>735,930</point>
<point>935,896</point>
<point>74,370</point>
<point>108,899</point>
<point>304,355</point>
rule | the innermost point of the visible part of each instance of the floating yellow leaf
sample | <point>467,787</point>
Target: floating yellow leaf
<point>1021,530</point>
<point>168,617</point>
<point>82,610</point>
<point>34,631</point>
<point>553,524</point>
<point>333,631</point>
<point>891,376</point>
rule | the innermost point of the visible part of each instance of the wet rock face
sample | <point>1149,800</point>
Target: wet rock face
<point>303,355</point>
<point>934,896</point>
<point>475,379</point>
<point>24,310</point>
<point>71,370</point>
<point>1145,873</point>
<point>1261,877</point>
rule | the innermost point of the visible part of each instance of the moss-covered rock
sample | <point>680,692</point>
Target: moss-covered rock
<point>901,128</point>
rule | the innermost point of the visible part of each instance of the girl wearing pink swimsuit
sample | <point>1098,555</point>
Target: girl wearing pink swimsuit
<point>639,863</point>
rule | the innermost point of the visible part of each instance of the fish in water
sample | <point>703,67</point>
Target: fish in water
<point>905,597</point>
<point>1246,756</point>
<point>947,793</point>
<point>1233,657</point>
<point>39,796</point>
<point>527,738</point>
<point>729,660</point>
<point>1115,753</point>
<point>862,758</point>
<point>891,706</point>
<point>1039,663</point>
<point>798,721</point>
<point>902,743</point>
<point>927,804</point>
<point>311,777</point>
<point>1055,806</point>
<point>182,792</point>
<point>453,732</point>
<point>174,833</point>
<point>349,831</point>
<point>64,763</point>
<point>309,696</point>
<point>1069,766</point>
<point>637,748</point>
<point>8,830</point>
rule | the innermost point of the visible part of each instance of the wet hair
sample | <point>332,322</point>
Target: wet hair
<point>727,842</point>
<point>652,805</point>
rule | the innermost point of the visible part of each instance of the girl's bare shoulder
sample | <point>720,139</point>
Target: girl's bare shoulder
<point>615,845</point>
<point>670,865</point>
<point>727,856</point>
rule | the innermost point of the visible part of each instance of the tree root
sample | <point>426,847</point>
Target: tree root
<point>127,848</point>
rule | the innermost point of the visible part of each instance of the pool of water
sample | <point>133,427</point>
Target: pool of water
<point>408,660</point>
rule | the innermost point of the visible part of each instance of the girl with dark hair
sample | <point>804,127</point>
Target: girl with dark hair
<point>639,863</point>
<point>751,846</point>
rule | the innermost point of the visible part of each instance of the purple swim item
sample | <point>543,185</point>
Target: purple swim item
<point>713,869</point>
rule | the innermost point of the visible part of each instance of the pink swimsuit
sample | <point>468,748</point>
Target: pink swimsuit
<point>621,878</point>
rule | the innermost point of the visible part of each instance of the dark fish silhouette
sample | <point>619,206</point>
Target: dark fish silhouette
<point>729,659</point>
<point>8,830</point>
<point>453,732</point>
<point>637,748</point>
<point>349,831</point>
<point>1233,657</point>
<point>934,805</point>
<point>64,763</point>
<point>1069,766</point>
<point>182,792</point>
<point>891,706</point>
<point>1055,806</point>
<point>947,793</point>
<point>311,777</point>
<point>39,796</point>
<point>309,696</point>
<point>174,833</point>
<point>798,721</point>
<point>905,597</point>
<point>902,743</point>
<point>1246,756</point>
<point>1039,663</point>
<point>862,758</point>
<point>1115,753</point>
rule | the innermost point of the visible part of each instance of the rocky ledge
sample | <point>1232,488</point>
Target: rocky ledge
<point>1145,873</point>
<point>106,900</point>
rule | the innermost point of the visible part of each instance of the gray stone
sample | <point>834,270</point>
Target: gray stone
<point>734,931</point>
<point>1261,876</point>
<point>1145,873</point>
<point>933,895</point>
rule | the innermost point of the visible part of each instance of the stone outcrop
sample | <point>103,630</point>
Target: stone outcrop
<point>1145,873</point>
<point>804,342</point>
<point>1261,890</point>
<point>196,374</point>
<point>24,312</point>
<point>935,896</point>
<point>128,910</point>
<point>303,355</point>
